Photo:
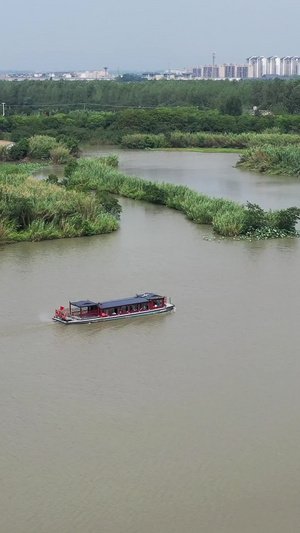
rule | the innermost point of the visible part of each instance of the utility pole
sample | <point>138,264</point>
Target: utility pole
<point>3,109</point>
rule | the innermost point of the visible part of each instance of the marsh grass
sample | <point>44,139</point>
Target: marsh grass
<point>60,155</point>
<point>272,159</point>
<point>209,141</point>
<point>37,210</point>
<point>225,216</point>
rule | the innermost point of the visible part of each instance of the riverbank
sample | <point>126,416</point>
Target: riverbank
<point>202,150</point>
<point>32,210</point>
<point>59,150</point>
<point>207,141</point>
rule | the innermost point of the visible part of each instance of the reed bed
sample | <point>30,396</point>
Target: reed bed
<point>227,218</point>
<point>272,159</point>
<point>39,147</point>
<point>37,210</point>
<point>179,139</point>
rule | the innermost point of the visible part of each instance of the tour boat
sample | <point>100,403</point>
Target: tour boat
<point>87,312</point>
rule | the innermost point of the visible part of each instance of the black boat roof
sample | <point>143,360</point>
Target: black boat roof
<point>123,301</point>
<point>83,303</point>
<point>138,299</point>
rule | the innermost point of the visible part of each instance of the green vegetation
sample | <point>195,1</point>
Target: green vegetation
<point>272,159</point>
<point>232,105</point>
<point>40,147</point>
<point>226,217</point>
<point>112,127</point>
<point>279,96</point>
<point>160,127</point>
<point>81,204</point>
<point>269,152</point>
<point>159,114</point>
<point>204,115</point>
<point>32,210</point>
<point>234,141</point>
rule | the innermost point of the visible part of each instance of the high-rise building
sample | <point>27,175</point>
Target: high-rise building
<point>273,66</point>
<point>220,72</point>
<point>256,66</point>
<point>229,71</point>
<point>242,71</point>
<point>197,72</point>
<point>260,66</point>
<point>289,66</point>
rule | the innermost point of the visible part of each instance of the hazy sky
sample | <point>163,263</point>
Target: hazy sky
<point>136,35</point>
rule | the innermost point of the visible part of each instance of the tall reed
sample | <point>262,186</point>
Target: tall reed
<point>38,210</point>
<point>226,217</point>
<point>272,159</point>
<point>179,139</point>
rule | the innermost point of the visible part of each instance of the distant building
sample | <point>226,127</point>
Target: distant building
<point>289,66</point>
<point>256,67</point>
<point>260,66</point>
<point>241,71</point>
<point>153,76</point>
<point>230,71</point>
<point>197,72</point>
<point>273,66</point>
<point>220,72</point>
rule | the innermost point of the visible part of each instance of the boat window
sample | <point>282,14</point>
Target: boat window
<point>112,311</point>
<point>157,303</point>
<point>144,307</point>
<point>133,308</point>
<point>123,309</point>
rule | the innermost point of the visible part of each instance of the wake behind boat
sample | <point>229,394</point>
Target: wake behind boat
<point>87,312</point>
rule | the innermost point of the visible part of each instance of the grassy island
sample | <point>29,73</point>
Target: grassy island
<point>227,218</point>
<point>272,159</point>
<point>81,204</point>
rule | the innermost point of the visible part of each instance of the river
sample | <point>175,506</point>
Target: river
<point>187,422</point>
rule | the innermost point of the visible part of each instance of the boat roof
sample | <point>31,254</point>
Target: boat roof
<point>123,301</point>
<point>149,295</point>
<point>83,303</point>
<point>138,299</point>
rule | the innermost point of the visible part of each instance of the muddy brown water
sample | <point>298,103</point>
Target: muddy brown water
<point>187,422</point>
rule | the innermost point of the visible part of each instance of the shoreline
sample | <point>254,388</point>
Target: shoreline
<point>203,150</point>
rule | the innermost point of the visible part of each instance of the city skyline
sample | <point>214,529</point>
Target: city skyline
<point>135,36</point>
<point>255,67</point>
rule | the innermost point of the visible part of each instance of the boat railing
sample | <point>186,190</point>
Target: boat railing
<point>78,312</point>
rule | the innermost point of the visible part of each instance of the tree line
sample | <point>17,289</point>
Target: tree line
<point>111,127</point>
<point>229,97</point>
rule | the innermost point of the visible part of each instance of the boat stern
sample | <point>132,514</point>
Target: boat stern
<point>61,315</point>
